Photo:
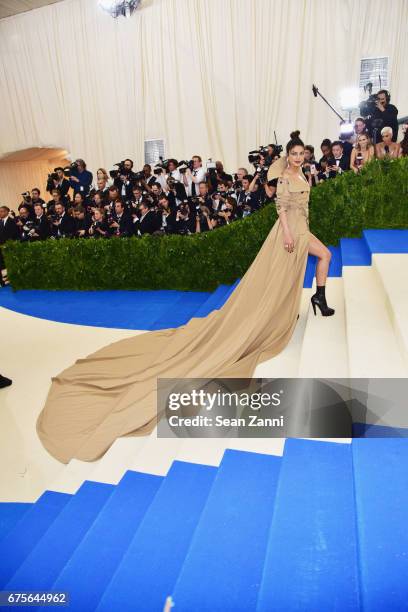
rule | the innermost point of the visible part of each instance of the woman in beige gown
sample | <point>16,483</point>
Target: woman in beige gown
<point>112,392</point>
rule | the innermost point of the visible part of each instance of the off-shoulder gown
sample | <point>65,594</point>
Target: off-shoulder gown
<point>112,392</point>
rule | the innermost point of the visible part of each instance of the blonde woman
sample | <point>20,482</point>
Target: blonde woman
<point>387,148</point>
<point>362,152</point>
<point>101,173</point>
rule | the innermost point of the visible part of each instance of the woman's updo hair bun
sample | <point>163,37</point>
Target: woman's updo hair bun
<point>294,141</point>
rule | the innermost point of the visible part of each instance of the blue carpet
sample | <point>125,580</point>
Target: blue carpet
<point>26,533</point>
<point>355,252</point>
<point>366,430</point>
<point>387,241</point>
<point>311,560</point>
<point>381,484</point>
<point>10,514</point>
<point>36,573</point>
<point>161,542</point>
<point>225,560</point>
<point>310,271</point>
<point>110,535</point>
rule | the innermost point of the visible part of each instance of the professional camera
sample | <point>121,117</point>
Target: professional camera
<point>183,165</point>
<point>139,176</point>
<point>120,170</point>
<point>161,166</point>
<point>26,197</point>
<point>262,174</point>
<point>53,176</point>
<point>68,169</point>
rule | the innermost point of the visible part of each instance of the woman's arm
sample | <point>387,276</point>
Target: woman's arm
<point>353,161</point>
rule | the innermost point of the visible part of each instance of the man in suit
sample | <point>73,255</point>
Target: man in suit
<point>148,222</point>
<point>64,225</point>
<point>41,225</point>
<point>339,162</point>
<point>8,231</point>
<point>121,222</point>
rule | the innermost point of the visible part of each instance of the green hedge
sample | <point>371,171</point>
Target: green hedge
<point>343,207</point>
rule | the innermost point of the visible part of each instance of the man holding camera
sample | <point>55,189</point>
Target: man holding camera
<point>192,178</point>
<point>339,162</point>
<point>125,179</point>
<point>8,231</point>
<point>148,222</point>
<point>41,226</point>
<point>58,181</point>
<point>80,178</point>
<point>62,224</point>
<point>120,221</point>
<point>385,114</point>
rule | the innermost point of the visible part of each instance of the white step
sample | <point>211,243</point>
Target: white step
<point>324,351</point>
<point>372,344</point>
<point>157,454</point>
<point>118,459</point>
<point>392,271</point>
<point>72,476</point>
<point>286,363</point>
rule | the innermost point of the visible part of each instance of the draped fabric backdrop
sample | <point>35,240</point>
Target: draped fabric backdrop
<point>211,77</point>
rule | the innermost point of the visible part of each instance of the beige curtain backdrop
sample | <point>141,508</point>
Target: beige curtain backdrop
<point>213,77</point>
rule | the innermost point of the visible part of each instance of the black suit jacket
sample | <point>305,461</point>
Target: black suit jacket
<point>148,224</point>
<point>66,228</point>
<point>42,227</point>
<point>9,230</point>
<point>125,225</point>
<point>344,165</point>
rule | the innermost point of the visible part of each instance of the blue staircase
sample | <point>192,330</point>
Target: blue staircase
<point>321,528</point>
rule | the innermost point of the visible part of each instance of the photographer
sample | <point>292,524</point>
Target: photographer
<point>173,171</point>
<point>103,187</point>
<point>185,219</point>
<point>217,176</point>
<point>167,215</point>
<point>8,231</point>
<point>57,180</point>
<point>310,166</point>
<point>192,178</point>
<point>113,196</point>
<point>80,178</point>
<point>204,223</point>
<point>385,113</point>
<point>25,224</point>
<point>339,162</point>
<point>82,222</point>
<point>247,200</point>
<point>227,214</point>
<point>148,222</point>
<point>124,180</point>
<point>41,225</point>
<point>147,179</point>
<point>56,199</point>
<point>98,228</point>
<point>62,224</point>
<point>120,222</point>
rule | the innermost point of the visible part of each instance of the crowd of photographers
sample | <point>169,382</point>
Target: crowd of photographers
<point>177,197</point>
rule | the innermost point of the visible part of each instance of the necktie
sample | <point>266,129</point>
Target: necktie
<point>193,187</point>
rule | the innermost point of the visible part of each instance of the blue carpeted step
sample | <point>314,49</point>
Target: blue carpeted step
<point>366,430</point>
<point>355,252</point>
<point>336,265</point>
<point>181,311</point>
<point>381,489</point>
<point>150,568</point>
<point>24,536</point>
<point>10,514</point>
<point>311,561</point>
<point>310,271</point>
<point>42,566</point>
<point>107,541</point>
<point>215,301</point>
<point>224,564</point>
<point>386,240</point>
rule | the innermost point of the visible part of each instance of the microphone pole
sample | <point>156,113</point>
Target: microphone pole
<point>316,93</point>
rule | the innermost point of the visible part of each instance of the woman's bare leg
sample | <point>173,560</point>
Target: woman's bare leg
<point>316,247</point>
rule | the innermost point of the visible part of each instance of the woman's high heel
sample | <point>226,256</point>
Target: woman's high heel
<point>319,299</point>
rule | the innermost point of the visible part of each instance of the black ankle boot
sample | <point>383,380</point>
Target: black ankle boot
<point>319,299</point>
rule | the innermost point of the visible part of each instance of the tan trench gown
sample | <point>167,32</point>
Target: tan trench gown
<point>112,392</point>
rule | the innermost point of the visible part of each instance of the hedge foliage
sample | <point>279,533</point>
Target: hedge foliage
<point>343,207</point>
